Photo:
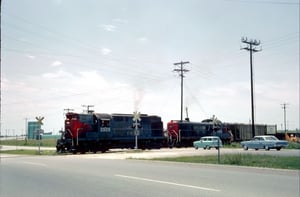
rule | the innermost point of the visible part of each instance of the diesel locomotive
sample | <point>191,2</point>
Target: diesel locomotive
<point>94,132</point>
<point>184,133</point>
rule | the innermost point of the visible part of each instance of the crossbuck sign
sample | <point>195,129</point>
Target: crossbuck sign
<point>136,119</point>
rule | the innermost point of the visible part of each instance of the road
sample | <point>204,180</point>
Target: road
<point>74,175</point>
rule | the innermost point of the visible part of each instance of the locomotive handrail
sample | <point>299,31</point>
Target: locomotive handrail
<point>68,130</point>
<point>77,135</point>
<point>172,132</point>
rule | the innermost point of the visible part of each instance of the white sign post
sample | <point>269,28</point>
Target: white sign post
<point>40,131</point>
<point>136,119</point>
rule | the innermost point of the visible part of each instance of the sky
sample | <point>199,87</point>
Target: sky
<point>119,56</point>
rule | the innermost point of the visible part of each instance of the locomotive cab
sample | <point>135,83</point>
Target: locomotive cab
<point>173,133</point>
<point>76,128</point>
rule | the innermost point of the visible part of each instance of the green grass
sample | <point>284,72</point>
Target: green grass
<point>44,142</point>
<point>265,161</point>
<point>293,145</point>
<point>30,152</point>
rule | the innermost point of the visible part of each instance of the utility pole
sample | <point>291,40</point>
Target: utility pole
<point>67,110</point>
<point>251,44</point>
<point>181,70</point>
<point>284,106</point>
<point>88,108</point>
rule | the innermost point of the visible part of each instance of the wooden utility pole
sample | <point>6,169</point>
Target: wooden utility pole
<point>251,44</point>
<point>181,70</point>
<point>88,108</point>
<point>284,106</point>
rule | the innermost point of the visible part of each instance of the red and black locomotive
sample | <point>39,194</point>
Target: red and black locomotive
<point>99,132</point>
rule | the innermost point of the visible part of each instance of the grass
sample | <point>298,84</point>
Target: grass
<point>29,142</point>
<point>29,152</point>
<point>265,161</point>
<point>293,145</point>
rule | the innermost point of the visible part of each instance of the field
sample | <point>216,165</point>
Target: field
<point>242,160</point>
<point>44,142</point>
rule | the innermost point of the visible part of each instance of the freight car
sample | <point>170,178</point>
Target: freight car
<point>100,132</point>
<point>241,131</point>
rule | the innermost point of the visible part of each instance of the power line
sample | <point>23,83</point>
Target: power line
<point>251,44</point>
<point>181,70</point>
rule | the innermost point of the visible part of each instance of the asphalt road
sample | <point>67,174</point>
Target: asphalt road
<point>74,175</point>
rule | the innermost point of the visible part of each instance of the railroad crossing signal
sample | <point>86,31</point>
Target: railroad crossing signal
<point>136,116</point>
<point>39,120</point>
<point>136,121</point>
<point>136,125</point>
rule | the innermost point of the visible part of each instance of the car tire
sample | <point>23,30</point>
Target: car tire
<point>267,148</point>
<point>208,148</point>
<point>196,147</point>
<point>245,147</point>
<point>278,148</point>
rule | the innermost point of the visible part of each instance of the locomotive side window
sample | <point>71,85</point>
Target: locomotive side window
<point>200,130</point>
<point>104,125</point>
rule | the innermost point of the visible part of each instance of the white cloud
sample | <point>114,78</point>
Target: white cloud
<point>31,56</point>
<point>58,74</point>
<point>109,27</point>
<point>56,63</point>
<point>105,51</point>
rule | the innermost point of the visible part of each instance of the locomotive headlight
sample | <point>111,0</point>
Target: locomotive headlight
<point>67,122</point>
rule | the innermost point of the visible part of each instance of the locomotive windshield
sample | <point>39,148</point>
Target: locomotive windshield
<point>86,118</point>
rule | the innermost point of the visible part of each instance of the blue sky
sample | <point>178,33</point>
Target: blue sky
<point>119,55</point>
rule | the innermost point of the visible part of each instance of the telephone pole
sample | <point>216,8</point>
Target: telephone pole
<point>88,108</point>
<point>67,110</point>
<point>251,44</point>
<point>181,70</point>
<point>284,106</point>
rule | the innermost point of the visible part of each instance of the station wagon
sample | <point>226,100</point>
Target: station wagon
<point>208,142</point>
